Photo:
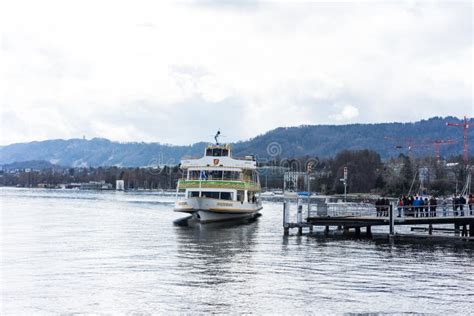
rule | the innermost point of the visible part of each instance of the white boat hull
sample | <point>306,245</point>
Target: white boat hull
<point>213,210</point>
<point>210,217</point>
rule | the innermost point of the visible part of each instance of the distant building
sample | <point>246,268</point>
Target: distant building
<point>72,186</point>
<point>120,185</point>
<point>46,186</point>
<point>96,185</point>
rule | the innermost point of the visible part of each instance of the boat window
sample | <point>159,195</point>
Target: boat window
<point>194,174</point>
<point>211,195</point>
<point>254,176</point>
<point>217,152</point>
<point>193,194</point>
<point>240,195</point>
<point>250,176</point>
<point>226,196</point>
<point>247,175</point>
<point>215,175</point>
<point>218,195</point>
<point>198,175</point>
<point>252,198</point>
<point>232,175</point>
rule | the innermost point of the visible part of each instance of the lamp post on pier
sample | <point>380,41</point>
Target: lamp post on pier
<point>344,181</point>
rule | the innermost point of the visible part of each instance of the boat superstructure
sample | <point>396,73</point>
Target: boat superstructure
<point>218,187</point>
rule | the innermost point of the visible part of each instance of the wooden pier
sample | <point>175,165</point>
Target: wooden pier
<point>357,216</point>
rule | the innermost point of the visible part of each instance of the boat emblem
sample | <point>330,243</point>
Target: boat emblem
<point>216,161</point>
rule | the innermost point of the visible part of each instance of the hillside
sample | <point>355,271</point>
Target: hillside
<point>327,140</point>
<point>31,164</point>
<point>315,140</point>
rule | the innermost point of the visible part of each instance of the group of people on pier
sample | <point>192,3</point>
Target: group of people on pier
<point>382,206</point>
<point>427,207</point>
<point>460,201</point>
<point>417,206</point>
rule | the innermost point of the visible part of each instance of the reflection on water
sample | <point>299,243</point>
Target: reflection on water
<point>213,251</point>
<point>74,252</point>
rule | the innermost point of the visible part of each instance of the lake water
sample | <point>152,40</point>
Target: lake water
<point>115,252</point>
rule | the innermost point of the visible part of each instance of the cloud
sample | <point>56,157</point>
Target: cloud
<point>227,5</point>
<point>175,73</point>
<point>347,113</point>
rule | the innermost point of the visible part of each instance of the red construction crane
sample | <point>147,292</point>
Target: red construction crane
<point>464,125</point>
<point>440,142</point>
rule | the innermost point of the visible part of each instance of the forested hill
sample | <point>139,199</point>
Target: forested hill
<point>313,140</point>
<point>388,139</point>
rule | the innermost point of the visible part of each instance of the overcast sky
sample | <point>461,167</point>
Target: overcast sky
<point>176,72</point>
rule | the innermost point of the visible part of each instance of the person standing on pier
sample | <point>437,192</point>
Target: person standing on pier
<point>470,203</point>
<point>433,205</point>
<point>444,205</point>
<point>426,207</point>
<point>406,203</point>
<point>411,202</point>
<point>414,204</point>
<point>377,207</point>
<point>461,202</point>
<point>421,213</point>
<point>417,203</point>
<point>455,205</point>
<point>386,206</point>
<point>421,208</point>
<point>400,206</point>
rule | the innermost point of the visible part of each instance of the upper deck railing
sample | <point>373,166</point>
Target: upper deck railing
<point>246,158</point>
<point>237,185</point>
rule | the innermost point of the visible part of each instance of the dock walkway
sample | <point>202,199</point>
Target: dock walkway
<point>354,216</point>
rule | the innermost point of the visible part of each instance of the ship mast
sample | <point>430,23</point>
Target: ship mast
<point>218,134</point>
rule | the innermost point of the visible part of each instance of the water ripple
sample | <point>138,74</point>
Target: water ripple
<point>106,253</point>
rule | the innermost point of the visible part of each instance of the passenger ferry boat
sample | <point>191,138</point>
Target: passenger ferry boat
<point>218,187</point>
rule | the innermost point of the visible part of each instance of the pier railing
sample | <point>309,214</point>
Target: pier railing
<point>433,211</point>
<point>353,209</point>
<point>356,215</point>
<point>342,209</point>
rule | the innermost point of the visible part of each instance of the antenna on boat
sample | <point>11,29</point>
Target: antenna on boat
<point>218,134</point>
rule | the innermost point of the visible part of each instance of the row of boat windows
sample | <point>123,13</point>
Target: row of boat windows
<point>247,175</point>
<point>214,175</point>
<point>218,195</point>
<point>251,196</point>
<point>217,152</point>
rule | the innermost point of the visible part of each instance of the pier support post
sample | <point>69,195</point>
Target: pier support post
<point>299,215</point>
<point>357,231</point>
<point>310,229</point>
<point>345,229</point>
<point>430,229</point>
<point>368,231</point>
<point>286,218</point>
<point>326,231</point>
<point>299,219</point>
<point>471,229</point>
<point>464,230</point>
<point>392,220</point>
<point>456,229</point>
